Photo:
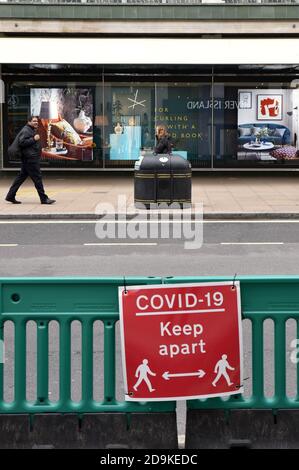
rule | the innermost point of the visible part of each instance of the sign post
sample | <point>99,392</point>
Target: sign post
<point>181,341</point>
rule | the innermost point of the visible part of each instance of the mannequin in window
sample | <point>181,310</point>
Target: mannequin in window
<point>118,128</point>
<point>163,143</point>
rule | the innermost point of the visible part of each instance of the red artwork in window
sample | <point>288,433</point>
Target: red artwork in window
<point>269,107</point>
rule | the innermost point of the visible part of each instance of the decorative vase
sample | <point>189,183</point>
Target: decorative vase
<point>82,123</point>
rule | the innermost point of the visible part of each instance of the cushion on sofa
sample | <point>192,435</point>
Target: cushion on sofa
<point>63,130</point>
<point>244,131</point>
<point>284,153</point>
<point>282,137</point>
<point>279,132</point>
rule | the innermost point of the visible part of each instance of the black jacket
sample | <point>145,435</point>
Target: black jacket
<point>163,145</point>
<point>30,148</point>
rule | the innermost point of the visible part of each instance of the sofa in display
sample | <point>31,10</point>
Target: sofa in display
<point>75,146</point>
<point>272,132</point>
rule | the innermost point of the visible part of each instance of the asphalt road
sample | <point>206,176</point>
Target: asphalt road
<point>62,249</point>
<point>73,249</point>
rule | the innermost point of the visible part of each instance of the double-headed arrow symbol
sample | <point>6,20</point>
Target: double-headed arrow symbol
<point>200,373</point>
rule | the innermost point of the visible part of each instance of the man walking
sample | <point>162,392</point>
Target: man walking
<point>29,142</point>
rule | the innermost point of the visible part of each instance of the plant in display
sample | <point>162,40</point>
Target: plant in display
<point>263,132</point>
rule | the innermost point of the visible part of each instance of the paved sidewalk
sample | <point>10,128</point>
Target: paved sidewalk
<point>223,196</point>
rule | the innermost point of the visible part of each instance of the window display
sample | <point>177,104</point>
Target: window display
<point>65,115</point>
<point>236,116</point>
<point>132,120</point>
<point>265,127</point>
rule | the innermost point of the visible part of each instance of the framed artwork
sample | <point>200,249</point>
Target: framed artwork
<point>269,107</point>
<point>245,101</point>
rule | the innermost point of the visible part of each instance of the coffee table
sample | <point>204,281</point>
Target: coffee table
<point>258,148</point>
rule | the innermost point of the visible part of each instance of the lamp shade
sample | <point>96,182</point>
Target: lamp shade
<point>48,110</point>
<point>101,120</point>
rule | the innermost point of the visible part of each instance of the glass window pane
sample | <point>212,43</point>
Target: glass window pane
<point>225,116</point>
<point>255,118</point>
<point>130,121</point>
<point>185,109</point>
<point>69,126</point>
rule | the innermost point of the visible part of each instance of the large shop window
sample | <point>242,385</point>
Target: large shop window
<point>255,119</point>
<point>222,117</point>
<point>137,109</point>
<point>188,123</point>
<point>129,119</point>
<point>67,127</point>
<point>107,124</point>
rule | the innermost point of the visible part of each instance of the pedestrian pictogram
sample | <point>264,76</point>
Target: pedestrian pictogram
<point>181,341</point>
<point>221,370</point>
<point>142,373</point>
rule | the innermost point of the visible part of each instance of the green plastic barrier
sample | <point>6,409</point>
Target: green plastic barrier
<point>65,300</point>
<point>90,299</point>
<point>262,298</point>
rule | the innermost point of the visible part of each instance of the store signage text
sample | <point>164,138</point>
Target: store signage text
<point>213,104</point>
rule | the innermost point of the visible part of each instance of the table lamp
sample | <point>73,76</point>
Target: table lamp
<point>48,111</point>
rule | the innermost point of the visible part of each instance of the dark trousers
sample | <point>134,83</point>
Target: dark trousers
<point>31,169</point>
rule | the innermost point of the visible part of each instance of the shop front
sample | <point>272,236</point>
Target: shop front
<point>99,117</point>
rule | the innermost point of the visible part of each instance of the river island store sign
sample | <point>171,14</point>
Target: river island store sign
<point>181,341</point>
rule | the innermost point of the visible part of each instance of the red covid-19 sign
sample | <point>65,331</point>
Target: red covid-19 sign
<point>181,341</point>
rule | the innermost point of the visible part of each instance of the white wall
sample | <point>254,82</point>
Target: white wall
<point>250,115</point>
<point>24,50</point>
<point>288,103</point>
